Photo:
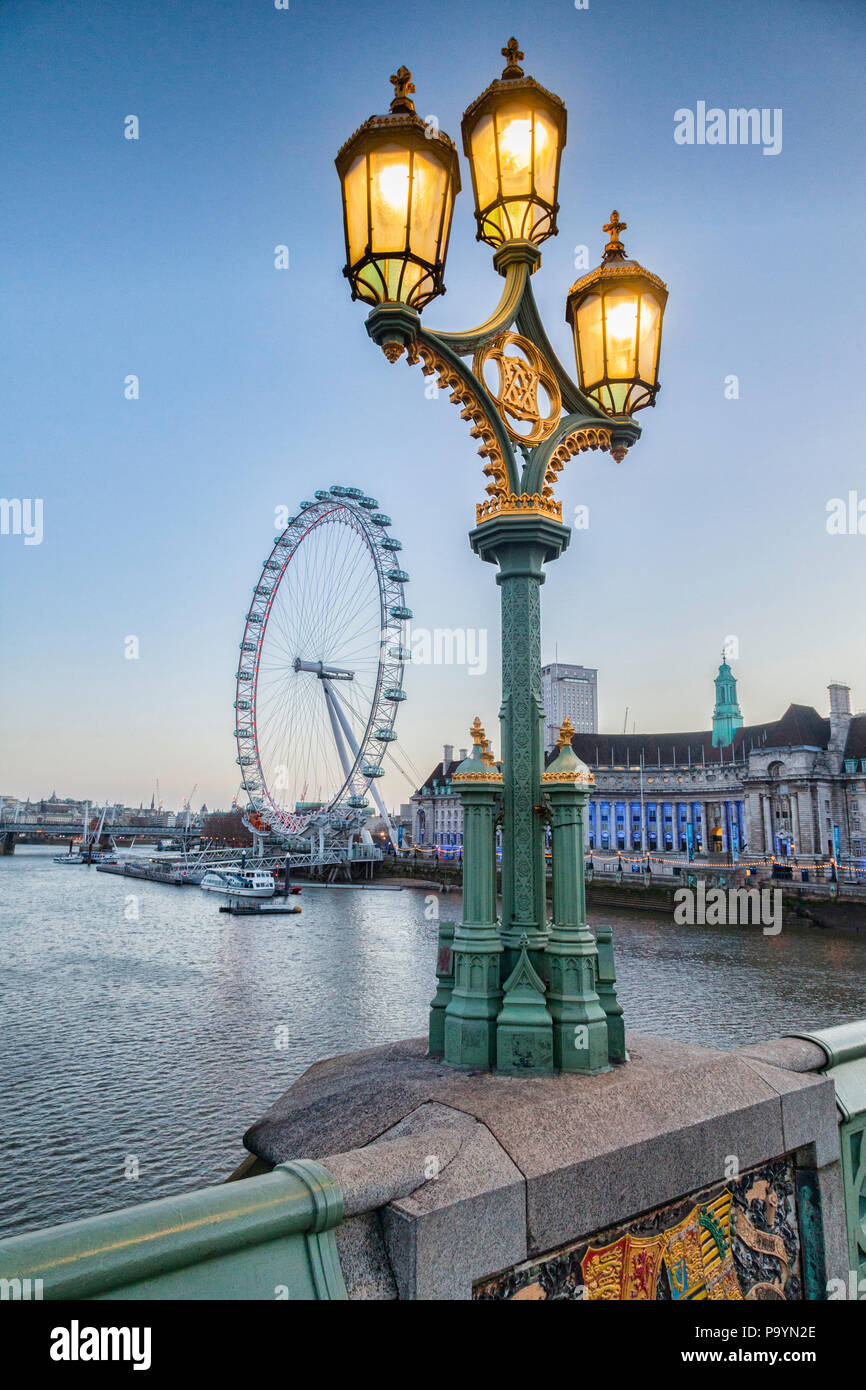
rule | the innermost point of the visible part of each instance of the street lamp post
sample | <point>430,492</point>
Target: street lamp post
<point>524,992</point>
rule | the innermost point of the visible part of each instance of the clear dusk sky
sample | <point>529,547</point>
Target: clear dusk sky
<point>155,257</point>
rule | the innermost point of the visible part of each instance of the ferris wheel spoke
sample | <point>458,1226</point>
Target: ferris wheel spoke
<point>339,554</point>
<point>291,751</point>
<point>347,612</point>
<point>362,723</point>
<point>336,618</point>
<point>344,611</point>
<point>309,585</point>
<point>296,737</point>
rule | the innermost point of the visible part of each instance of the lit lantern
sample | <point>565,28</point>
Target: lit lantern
<point>400,178</point>
<point>513,136</point>
<point>616,315</point>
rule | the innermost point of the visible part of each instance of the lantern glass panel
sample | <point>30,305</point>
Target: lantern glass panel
<point>648,348</point>
<point>546,143</point>
<point>484,161</point>
<point>590,341</point>
<point>613,397</point>
<point>356,208</point>
<point>620,325</point>
<point>429,200</point>
<point>514,137</point>
<point>389,279</point>
<point>389,198</point>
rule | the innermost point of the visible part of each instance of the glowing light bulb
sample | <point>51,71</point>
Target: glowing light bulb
<point>621,321</point>
<point>515,142</point>
<point>392,186</point>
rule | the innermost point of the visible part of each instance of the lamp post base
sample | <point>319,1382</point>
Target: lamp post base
<point>524,1029</point>
<point>470,1018</point>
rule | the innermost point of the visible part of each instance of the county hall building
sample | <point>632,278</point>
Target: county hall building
<point>792,787</point>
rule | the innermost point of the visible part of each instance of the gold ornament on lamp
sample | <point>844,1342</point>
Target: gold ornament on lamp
<point>523,372</point>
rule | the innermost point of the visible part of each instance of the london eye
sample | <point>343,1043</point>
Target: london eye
<point>320,676</point>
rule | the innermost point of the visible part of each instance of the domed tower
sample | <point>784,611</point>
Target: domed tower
<point>727,717</point>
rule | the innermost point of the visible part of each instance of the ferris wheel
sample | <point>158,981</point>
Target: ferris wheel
<point>320,677</point>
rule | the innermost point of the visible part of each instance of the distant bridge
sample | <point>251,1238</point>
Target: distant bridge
<point>71,830</point>
<point>326,858</point>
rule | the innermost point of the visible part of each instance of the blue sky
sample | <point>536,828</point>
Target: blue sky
<point>155,257</point>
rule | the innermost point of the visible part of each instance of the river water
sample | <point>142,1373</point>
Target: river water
<point>144,1031</point>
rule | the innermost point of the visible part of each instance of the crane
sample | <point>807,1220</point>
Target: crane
<point>188,806</point>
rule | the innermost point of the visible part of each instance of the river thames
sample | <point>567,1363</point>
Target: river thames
<point>144,1031</point>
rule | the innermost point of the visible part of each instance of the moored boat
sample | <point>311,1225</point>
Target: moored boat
<point>239,883</point>
<point>84,850</point>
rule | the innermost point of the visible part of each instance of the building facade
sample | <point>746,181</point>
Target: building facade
<point>437,812</point>
<point>793,787</point>
<point>570,691</point>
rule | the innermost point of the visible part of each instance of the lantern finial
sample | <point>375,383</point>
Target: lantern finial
<point>514,57</point>
<point>614,249</point>
<point>566,733</point>
<point>477,732</point>
<point>403,85</point>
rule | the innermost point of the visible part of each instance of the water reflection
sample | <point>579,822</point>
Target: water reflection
<point>161,1037</point>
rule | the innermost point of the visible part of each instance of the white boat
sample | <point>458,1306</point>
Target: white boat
<point>89,856</point>
<point>239,883</point>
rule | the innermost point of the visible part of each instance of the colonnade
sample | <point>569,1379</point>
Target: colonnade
<point>708,823</point>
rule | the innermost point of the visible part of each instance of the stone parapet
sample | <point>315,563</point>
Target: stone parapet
<point>472,1175</point>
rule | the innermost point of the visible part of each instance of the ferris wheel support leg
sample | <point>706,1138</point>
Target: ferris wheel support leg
<point>347,730</point>
<point>335,716</point>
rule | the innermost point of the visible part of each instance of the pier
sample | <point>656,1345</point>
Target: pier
<point>153,873</point>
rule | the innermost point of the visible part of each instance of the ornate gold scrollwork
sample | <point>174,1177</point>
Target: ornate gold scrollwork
<point>460,393</point>
<point>518,504</point>
<point>523,370</point>
<point>593,437</point>
<point>503,500</point>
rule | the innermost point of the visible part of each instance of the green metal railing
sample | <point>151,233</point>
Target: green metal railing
<point>845,1049</point>
<point>269,1237</point>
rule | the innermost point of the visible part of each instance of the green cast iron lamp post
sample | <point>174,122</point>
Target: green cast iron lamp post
<point>517,993</point>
